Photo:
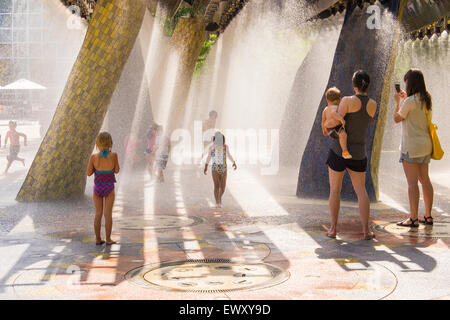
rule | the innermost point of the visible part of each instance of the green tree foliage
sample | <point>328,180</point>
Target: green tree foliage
<point>204,52</point>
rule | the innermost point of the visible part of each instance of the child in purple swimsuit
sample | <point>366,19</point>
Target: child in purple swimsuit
<point>104,165</point>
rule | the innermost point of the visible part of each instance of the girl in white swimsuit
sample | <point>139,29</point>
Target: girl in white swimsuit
<point>219,152</point>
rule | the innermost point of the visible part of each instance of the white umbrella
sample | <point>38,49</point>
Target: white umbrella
<point>23,84</point>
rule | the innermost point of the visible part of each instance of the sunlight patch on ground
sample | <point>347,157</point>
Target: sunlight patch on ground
<point>24,225</point>
<point>186,233</point>
<point>14,253</point>
<point>253,198</point>
<point>392,203</point>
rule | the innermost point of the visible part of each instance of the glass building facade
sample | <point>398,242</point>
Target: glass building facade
<point>21,38</point>
<point>36,44</point>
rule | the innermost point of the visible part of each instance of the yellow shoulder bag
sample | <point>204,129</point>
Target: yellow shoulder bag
<point>438,152</point>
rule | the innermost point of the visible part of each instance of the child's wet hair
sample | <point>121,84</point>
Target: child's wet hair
<point>213,114</point>
<point>13,123</point>
<point>333,95</point>
<point>103,141</point>
<point>220,138</point>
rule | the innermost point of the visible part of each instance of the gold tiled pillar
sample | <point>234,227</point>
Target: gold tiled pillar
<point>58,170</point>
<point>187,39</point>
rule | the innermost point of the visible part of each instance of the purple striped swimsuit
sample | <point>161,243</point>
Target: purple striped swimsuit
<point>104,183</point>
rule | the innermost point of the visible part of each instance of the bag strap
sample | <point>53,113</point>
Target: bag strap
<point>431,124</point>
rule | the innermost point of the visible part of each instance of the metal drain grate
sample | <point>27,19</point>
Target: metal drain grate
<point>157,222</point>
<point>207,276</point>
<point>436,231</point>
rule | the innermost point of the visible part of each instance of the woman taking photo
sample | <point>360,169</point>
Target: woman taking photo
<point>411,109</point>
<point>358,111</point>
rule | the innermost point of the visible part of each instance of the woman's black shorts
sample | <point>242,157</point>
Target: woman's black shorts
<point>337,163</point>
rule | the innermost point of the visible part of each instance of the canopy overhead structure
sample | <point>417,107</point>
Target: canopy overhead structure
<point>420,13</point>
<point>23,84</point>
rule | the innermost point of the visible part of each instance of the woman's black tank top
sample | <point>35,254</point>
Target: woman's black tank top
<point>356,125</point>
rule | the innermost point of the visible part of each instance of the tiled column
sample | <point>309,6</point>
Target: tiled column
<point>58,170</point>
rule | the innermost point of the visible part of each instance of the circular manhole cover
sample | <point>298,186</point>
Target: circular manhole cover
<point>210,275</point>
<point>158,222</point>
<point>437,230</point>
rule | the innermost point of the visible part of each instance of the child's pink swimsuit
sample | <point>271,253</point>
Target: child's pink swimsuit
<point>104,183</point>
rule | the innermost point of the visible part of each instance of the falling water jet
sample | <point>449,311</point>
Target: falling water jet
<point>307,90</point>
<point>148,48</point>
<point>168,91</point>
<point>261,67</point>
<point>259,54</point>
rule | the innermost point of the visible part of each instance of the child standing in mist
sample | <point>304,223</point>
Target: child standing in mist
<point>219,152</point>
<point>14,147</point>
<point>162,150</point>
<point>104,165</point>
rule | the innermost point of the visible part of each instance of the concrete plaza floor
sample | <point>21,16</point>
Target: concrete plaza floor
<point>265,243</point>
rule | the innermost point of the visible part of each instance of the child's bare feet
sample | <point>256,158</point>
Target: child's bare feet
<point>221,227</point>
<point>99,242</point>
<point>331,235</point>
<point>110,242</point>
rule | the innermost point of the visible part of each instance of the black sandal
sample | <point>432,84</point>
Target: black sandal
<point>410,225</point>
<point>426,220</point>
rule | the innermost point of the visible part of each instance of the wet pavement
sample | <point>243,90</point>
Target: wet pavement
<point>264,243</point>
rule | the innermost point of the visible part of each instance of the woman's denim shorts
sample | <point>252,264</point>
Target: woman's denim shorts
<point>419,160</point>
